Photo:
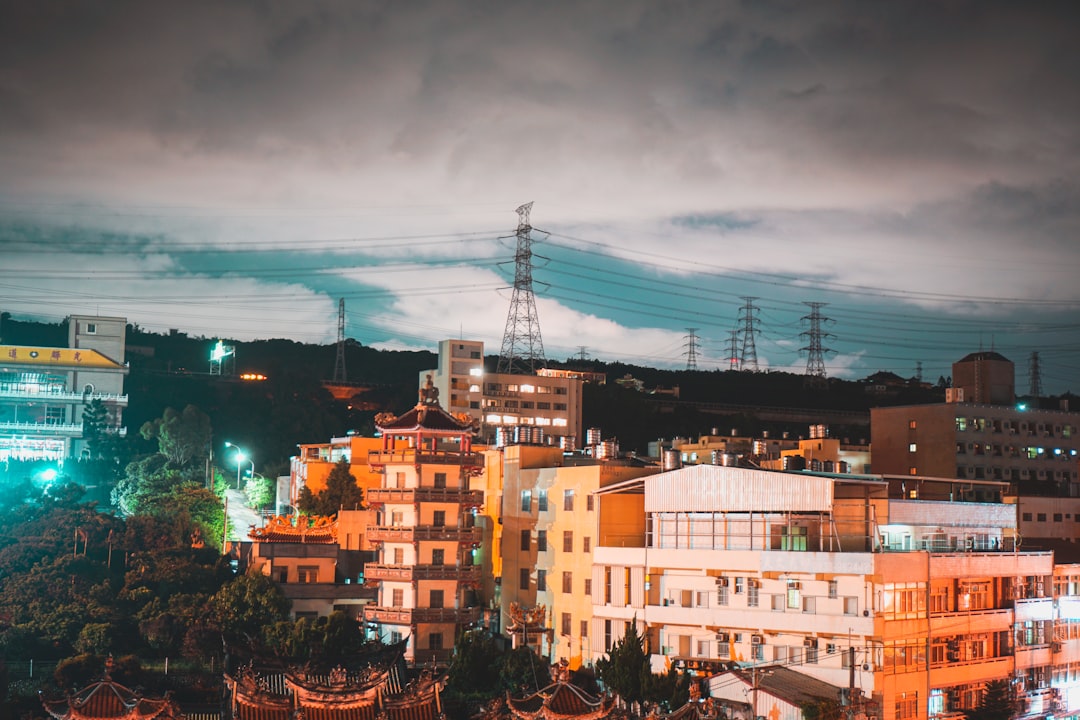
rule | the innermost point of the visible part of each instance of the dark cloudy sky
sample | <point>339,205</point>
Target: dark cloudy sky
<point>234,168</point>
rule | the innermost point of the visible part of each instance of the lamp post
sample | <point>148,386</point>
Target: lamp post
<point>241,457</point>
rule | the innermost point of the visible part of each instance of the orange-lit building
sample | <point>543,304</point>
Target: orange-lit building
<point>427,572</point>
<point>922,595</point>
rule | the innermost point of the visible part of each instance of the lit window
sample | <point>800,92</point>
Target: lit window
<point>493,419</point>
<point>509,420</point>
<point>476,372</point>
<point>542,421</point>
<point>559,422</point>
<point>912,447</point>
<point>474,388</point>
<point>528,389</point>
<point>913,471</point>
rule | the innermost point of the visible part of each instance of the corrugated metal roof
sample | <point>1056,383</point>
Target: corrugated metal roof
<point>718,488</point>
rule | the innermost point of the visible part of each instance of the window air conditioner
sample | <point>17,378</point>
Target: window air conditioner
<point>721,582</point>
<point>809,642</point>
<point>757,640</point>
<point>723,637</point>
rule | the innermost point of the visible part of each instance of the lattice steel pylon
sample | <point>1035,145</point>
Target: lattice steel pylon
<point>748,319</point>
<point>815,351</point>
<point>1036,378</point>
<point>691,348</point>
<point>733,350</point>
<point>339,361</point>
<point>522,347</point>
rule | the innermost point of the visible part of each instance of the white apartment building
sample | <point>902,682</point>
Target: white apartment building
<point>819,573</point>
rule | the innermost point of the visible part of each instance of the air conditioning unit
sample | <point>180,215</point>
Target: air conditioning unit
<point>757,640</point>
<point>723,637</point>
<point>794,585</point>
<point>1056,647</point>
<point>809,642</point>
<point>754,583</point>
<point>721,582</point>
<point>830,648</point>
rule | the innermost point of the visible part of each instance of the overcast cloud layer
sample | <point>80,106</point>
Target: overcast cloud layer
<point>234,168</point>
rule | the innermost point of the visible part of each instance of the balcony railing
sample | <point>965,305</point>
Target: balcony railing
<point>63,396</point>
<point>327,591</point>
<point>412,456</point>
<point>471,535</point>
<point>408,573</point>
<point>66,429</point>
<point>460,496</point>
<point>409,616</point>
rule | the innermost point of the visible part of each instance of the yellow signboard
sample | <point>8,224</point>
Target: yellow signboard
<point>55,357</point>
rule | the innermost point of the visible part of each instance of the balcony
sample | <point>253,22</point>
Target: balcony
<point>408,573</point>
<point>412,616</point>
<point>10,393</point>
<point>326,591</point>
<point>463,535</point>
<point>460,496</point>
<point>379,459</point>
<point>54,429</point>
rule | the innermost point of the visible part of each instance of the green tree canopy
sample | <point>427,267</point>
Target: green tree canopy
<point>341,492</point>
<point>183,437</point>
<point>997,702</point>
<point>245,606</point>
<point>626,668</point>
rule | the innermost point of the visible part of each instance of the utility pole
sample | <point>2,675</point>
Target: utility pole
<point>815,352</point>
<point>691,348</point>
<point>522,347</point>
<point>748,320</point>
<point>339,361</point>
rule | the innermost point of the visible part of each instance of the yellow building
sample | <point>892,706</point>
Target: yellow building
<point>550,527</point>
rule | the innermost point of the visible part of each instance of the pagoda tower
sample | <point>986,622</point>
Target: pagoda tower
<point>426,576</point>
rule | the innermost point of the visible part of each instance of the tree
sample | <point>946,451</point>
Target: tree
<point>246,605</point>
<point>997,702</point>
<point>182,436</point>
<point>341,492</point>
<point>260,491</point>
<point>522,669</point>
<point>474,664</point>
<point>626,667</point>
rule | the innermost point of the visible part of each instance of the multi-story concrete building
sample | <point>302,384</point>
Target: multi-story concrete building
<point>548,535</point>
<point>427,573</point>
<point>923,595</point>
<point>44,391</point>
<point>541,408</point>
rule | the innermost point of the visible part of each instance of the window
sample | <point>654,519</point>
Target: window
<point>913,471</point>
<point>398,597</point>
<point>438,518</point>
<point>523,579</point>
<point>541,581</point>
<point>794,595</point>
<point>526,500</point>
<point>435,641</point>
<point>399,480</point>
<point>568,582</point>
<point>440,480</point>
<point>568,541</point>
<point>752,596</point>
<point>307,574</point>
<point>740,583</point>
<point>589,502</point>
<point>588,586</point>
<point>809,604</point>
<point>438,556</point>
<point>1057,517</point>
<point>395,637</point>
<point>541,540</point>
<point>851,606</point>
<point>565,623</point>
<point>399,556</point>
<point>568,501</point>
<point>912,447</point>
<point>907,706</point>
<point>1027,517</point>
<point>722,594</point>
<point>586,544</point>
<point>833,587</point>
<point>91,328</point>
<point>584,628</point>
<point>397,518</point>
<point>912,424</point>
<point>1041,517</point>
<point>607,586</point>
<point>526,540</point>
<point>436,599</point>
<point>541,500</point>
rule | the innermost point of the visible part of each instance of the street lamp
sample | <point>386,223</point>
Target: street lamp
<point>241,457</point>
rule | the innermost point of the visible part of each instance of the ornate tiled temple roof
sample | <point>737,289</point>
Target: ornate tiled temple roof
<point>558,701</point>
<point>280,529</point>
<point>108,700</point>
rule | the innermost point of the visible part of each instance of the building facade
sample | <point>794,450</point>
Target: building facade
<point>44,391</point>
<point>426,573</point>
<point>915,602</point>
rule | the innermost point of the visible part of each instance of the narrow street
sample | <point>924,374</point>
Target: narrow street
<point>241,518</point>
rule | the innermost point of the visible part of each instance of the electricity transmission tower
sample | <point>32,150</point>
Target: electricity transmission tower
<point>1036,379</point>
<point>691,348</point>
<point>815,352</point>
<point>733,350</point>
<point>748,352</point>
<point>339,361</point>
<point>918,371</point>
<point>522,347</point>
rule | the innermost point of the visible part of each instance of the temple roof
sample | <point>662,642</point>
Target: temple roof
<point>108,699</point>
<point>424,417</point>
<point>560,700</point>
<point>280,529</point>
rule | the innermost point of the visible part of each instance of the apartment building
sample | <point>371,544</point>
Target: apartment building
<point>426,572</point>
<point>917,595</point>
<point>44,391</point>
<point>541,409</point>
<point>549,521</point>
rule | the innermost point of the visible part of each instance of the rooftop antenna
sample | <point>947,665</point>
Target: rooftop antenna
<point>522,347</point>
